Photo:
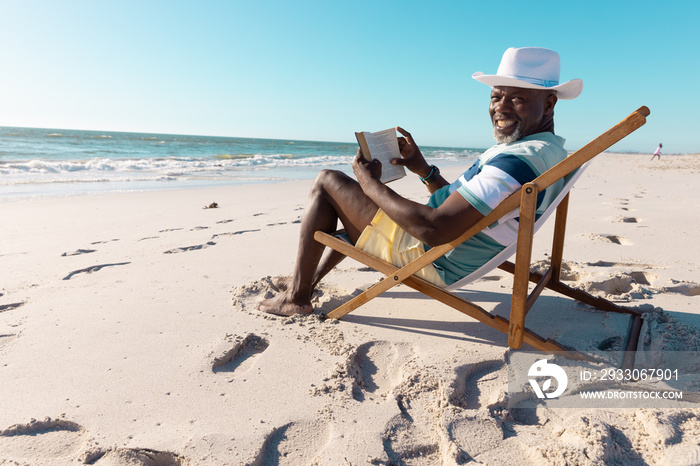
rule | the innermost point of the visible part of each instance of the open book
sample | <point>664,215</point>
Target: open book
<point>383,146</point>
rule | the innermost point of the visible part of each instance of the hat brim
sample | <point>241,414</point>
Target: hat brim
<point>566,91</point>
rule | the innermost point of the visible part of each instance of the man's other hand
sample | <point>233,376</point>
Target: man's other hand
<point>411,156</point>
<point>365,170</point>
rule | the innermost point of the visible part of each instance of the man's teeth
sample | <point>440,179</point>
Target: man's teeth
<point>504,123</point>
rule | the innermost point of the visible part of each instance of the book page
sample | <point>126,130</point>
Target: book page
<point>383,146</point>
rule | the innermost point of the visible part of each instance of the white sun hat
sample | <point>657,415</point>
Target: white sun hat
<point>531,68</point>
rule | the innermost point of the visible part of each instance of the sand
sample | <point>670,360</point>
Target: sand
<point>129,335</point>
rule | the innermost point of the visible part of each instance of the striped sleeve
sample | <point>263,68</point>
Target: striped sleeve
<point>501,176</point>
<point>516,167</point>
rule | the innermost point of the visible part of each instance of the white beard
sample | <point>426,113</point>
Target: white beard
<point>511,138</point>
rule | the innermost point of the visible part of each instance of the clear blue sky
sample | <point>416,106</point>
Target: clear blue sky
<point>320,70</point>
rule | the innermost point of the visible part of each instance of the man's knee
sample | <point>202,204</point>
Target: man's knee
<point>328,176</point>
<point>327,180</point>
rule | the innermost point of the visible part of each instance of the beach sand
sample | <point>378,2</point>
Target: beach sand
<point>129,335</point>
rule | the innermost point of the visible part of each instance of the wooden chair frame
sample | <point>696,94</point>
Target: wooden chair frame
<point>526,200</point>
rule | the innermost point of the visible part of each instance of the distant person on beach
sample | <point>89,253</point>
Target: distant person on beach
<point>376,219</point>
<point>657,152</point>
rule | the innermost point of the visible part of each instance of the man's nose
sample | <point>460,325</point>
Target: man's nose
<point>502,105</point>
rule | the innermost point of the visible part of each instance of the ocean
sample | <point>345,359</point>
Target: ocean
<point>38,163</point>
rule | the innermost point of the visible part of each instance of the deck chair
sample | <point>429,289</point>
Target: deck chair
<point>525,199</point>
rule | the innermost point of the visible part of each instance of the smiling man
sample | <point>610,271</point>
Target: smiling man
<point>525,90</point>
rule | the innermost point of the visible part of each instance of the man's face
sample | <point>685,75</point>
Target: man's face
<point>517,112</point>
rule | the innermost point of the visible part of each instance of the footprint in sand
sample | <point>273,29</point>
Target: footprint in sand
<point>619,264</point>
<point>41,442</point>
<point>624,205</point>
<point>613,239</point>
<point>284,223</point>
<point>242,356</point>
<point>233,233</point>
<point>684,288</point>
<point>294,443</point>
<point>491,278</point>
<point>9,307</point>
<point>611,344</point>
<point>474,435</point>
<point>191,248</point>
<point>643,278</point>
<point>622,283</point>
<point>377,366</point>
<point>475,382</point>
<point>107,241</point>
<point>428,431</point>
<point>78,252</point>
<point>94,268</point>
<point>612,286</point>
<point>412,436</point>
<point>406,443</point>
<point>135,456</point>
<point>630,220</point>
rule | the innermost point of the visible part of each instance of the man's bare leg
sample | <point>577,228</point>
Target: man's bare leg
<point>334,196</point>
<point>329,261</point>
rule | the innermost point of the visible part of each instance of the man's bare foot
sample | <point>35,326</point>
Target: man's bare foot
<point>283,305</point>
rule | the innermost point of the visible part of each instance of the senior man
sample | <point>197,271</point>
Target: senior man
<point>525,90</point>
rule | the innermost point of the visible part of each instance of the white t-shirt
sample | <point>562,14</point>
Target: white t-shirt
<point>500,171</point>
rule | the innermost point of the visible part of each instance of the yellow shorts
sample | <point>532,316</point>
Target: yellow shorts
<point>388,241</point>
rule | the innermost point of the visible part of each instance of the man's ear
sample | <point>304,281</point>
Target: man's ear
<point>550,103</point>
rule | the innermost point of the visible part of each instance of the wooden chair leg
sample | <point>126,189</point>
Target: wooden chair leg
<point>521,278</point>
<point>558,241</point>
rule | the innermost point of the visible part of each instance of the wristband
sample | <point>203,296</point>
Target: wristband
<point>434,173</point>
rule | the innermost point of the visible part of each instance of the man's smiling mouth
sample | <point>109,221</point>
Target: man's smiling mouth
<point>502,121</point>
<point>502,124</point>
